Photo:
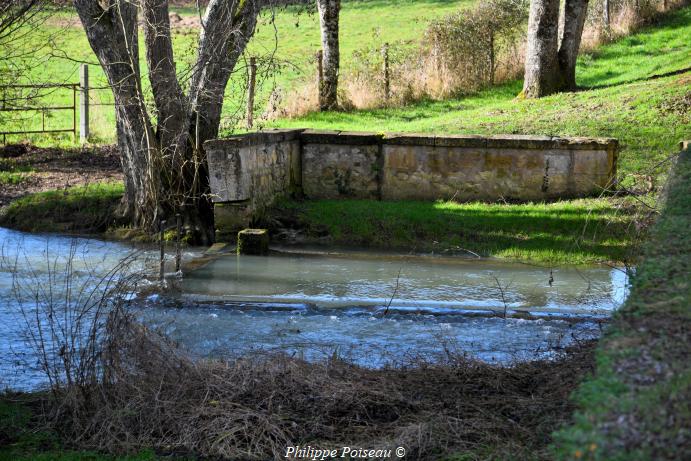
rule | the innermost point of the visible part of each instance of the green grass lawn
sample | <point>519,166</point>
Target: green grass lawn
<point>627,99</point>
<point>88,208</point>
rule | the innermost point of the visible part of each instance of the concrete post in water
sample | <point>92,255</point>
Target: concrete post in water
<point>253,242</point>
<point>84,103</point>
<point>178,248</point>
<point>250,91</point>
<point>163,248</point>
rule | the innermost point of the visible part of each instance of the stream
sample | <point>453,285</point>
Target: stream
<point>375,309</point>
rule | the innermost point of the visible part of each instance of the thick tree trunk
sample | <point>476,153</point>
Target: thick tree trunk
<point>328,89</point>
<point>164,166</point>
<point>575,12</point>
<point>542,73</point>
<point>112,34</point>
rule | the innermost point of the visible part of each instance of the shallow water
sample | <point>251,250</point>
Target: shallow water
<point>373,309</point>
<point>434,285</point>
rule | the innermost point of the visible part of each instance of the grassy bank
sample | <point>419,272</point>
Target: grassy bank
<point>635,407</point>
<point>89,208</point>
<point>576,231</point>
<point>625,95</point>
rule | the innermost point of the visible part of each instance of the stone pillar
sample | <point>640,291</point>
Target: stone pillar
<point>253,242</point>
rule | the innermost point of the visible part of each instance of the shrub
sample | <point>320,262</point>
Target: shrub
<point>470,47</point>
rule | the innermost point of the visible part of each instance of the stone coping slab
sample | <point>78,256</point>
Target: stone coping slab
<point>509,141</point>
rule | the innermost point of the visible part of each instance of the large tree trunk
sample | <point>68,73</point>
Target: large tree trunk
<point>164,165</point>
<point>542,74</point>
<point>328,87</point>
<point>575,12</point>
<point>113,37</point>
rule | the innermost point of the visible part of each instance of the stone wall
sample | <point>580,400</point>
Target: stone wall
<point>249,172</point>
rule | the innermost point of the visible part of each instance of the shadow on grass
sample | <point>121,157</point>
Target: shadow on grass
<point>576,231</point>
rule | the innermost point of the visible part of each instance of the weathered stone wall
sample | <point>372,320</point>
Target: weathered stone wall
<point>341,164</point>
<point>249,172</point>
<point>506,167</point>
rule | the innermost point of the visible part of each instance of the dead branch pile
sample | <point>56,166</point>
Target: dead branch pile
<point>153,395</point>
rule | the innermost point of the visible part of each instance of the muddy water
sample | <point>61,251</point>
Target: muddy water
<point>374,309</point>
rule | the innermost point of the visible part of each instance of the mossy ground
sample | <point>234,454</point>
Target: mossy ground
<point>571,232</point>
<point>635,407</point>
<point>89,208</point>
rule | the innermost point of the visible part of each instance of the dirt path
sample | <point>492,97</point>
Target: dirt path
<point>36,169</point>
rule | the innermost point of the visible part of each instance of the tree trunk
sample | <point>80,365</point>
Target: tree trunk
<point>542,75</point>
<point>575,12</point>
<point>164,165</point>
<point>113,37</point>
<point>328,88</point>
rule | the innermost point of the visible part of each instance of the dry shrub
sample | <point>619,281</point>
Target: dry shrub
<point>298,102</point>
<point>154,395</point>
<point>460,53</point>
<point>625,16</point>
<point>469,47</point>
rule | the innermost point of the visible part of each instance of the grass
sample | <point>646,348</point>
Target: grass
<point>628,100</point>
<point>574,232</point>
<point>23,438</point>
<point>88,208</point>
<point>635,407</point>
<point>11,178</point>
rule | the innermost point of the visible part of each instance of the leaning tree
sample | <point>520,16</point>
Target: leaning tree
<point>161,140</point>
<point>550,62</point>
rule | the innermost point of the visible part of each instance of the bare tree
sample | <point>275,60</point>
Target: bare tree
<point>18,19</point>
<point>549,65</point>
<point>328,87</point>
<point>162,148</point>
<point>15,14</point>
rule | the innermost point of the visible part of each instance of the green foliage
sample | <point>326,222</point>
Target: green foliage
<point>12,177</point>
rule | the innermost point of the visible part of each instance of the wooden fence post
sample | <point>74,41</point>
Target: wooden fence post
<point>387,78</point>
<point>84,103</point>
<point>250,91</point>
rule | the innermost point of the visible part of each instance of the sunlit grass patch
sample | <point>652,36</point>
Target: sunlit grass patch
<point>577,231</point>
